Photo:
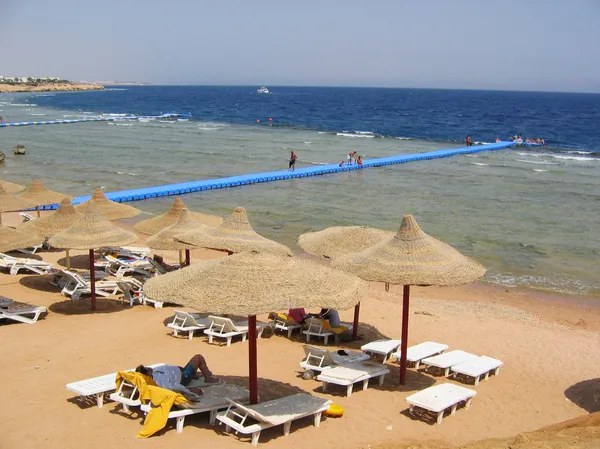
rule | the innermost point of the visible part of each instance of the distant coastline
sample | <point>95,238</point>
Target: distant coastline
<point>48,87</point>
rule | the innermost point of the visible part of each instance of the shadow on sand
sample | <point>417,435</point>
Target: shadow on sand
<point>84,307</point>
<point>585,394</point>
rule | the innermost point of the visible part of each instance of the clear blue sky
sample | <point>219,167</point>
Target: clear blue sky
<point>478,44</point>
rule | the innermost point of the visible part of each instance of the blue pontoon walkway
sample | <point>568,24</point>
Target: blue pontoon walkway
<point>254,178</point>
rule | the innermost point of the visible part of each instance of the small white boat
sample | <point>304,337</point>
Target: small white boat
<point>263,90</point>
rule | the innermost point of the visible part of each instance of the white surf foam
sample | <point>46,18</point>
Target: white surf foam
<point>37,114</point>
<point>539,170</point>
<point>404,138</point>
<point>537,162</point>
<point>573,158</point>
<point>479,163</point>
<point>355,135</point>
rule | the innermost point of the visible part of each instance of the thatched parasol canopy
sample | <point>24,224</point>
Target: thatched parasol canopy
<point>412,257</point>
<point>110,209</point>
<point>11,187</point>
<point>252,283</point>
<point>10,202</point>
<point>164,240</point>
<point>235,235</point>
<point>53,223</point>
<point>338,241</point>
<point>92,230</point>
<point>41,196</point>
<point>155,224</point>
<point>11,239</point>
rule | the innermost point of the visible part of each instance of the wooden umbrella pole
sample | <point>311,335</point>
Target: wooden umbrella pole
<point>355,324</point>
<point>180,258</point>
<point>252,359</point>
<point>38,211</point>
<point>404,345</point>
<point>68,260</point>
<point>93,279</point>
<point>187,258</point>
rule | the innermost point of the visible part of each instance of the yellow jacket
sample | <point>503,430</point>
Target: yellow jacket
<point>161,398</point>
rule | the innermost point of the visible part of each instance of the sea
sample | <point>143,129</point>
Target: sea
<point>530,215</point>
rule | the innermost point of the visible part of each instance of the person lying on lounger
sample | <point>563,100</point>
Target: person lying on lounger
<point>176,378</point>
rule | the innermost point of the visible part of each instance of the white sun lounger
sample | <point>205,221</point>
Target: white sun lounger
<point>446,360</point>
<point>98,386</point>
<point>134,291</point>
<point>277,412</point>
<point>188,322</point>
<point>62,277</point>
<point>421,351</point>
<point>475,368</point>
<point>316,329</point>
<point>15,264</point>
<point>26,216</point>
<point>77,285</point>
<point>120,267</point>
<point>350,373</point>
<point>319,359</point>
<point>382,347</point>
<point>221,327</point>
<point>288,325</point>
<point>20,311</point>
<point>441,397</point>
<point>215,398</point>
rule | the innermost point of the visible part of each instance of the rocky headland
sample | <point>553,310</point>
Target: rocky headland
<point>48,87</point>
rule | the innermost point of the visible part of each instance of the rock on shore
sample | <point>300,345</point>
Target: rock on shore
<point>48,87</point>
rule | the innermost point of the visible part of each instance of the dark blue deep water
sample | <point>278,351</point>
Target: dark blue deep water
<point>566,121</point>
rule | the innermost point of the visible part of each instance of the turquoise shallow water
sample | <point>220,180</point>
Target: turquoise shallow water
<point>530,216</point>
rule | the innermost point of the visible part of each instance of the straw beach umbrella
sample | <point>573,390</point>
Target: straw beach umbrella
<point>11,239</point>
<point>53,223</point>
<point>92,230</point>
<point>110,209</point>
<point>41,196</point>
<point>10,202</point>
<point>235,235</point>
<point>252,283</point>
<point>411,257</point>
<point>164,240</point>
<point>11,187</point>
<point>338,241</point>
<point>152,225</point>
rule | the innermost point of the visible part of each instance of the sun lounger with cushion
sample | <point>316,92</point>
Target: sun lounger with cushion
<point>319,359</point>
<point>19,311</point>
<point>383,347</point>
<point>134,291</point>
<point>350,373</point>
<point>252,419</point>
<point>284,322</point>
<point>416,353</point>
<point>320,328</point>
<point>98,386</point>
<point>477,367</point>
<point>188,322</point>
<point>122,267</point>
<point>441,397</point>
<point>215,398</point>
<point>446,360</point>
<point>221,327</point>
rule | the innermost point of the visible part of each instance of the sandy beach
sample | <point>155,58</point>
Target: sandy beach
<point>548,343</point>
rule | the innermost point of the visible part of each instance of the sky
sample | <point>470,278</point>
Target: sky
<point>547,45</point>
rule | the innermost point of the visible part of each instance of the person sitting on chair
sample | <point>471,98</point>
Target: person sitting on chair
<point>176,378</point>
<point>332,316</point>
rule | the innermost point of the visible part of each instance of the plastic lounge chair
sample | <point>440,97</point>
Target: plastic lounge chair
<point>475,368</point>
<point>26,216</point>
<point>19,311</point>
<point>215,398</point>
<point>382,347</point>
<point>277,412</point>
<point>318,328</point>
<point>421,351</point>
<point>136,252</point>
<point>120,267</point>
<point>319,359</point>
<point>77,285</point>
<point>31,250</point>
<point>225,328</point>
<point>439,398</point>
<point>61,278</point>
<point>284,322</point>
<point>446,360</point>
<point>350,373</point>
<point>158,268</point>
<point>130,294</point>
<point>97,386</point>
<point>188,322</point>
<point>15,264</point>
